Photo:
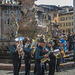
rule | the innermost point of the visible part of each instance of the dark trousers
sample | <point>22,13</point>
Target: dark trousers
<point>39,68</point>
<point>74,47</point>
<point>58,61</point>
<point>27,65</point>
<point>35,69</point>
<point>62,58</point>
<point>46,64</point>
<point>74,50</point>
<point>52,64</point>
<point>16,65</point>
<point>70,46</point>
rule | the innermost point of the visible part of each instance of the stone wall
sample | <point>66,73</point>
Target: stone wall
<point>6,43</point>
<point>5,49</point>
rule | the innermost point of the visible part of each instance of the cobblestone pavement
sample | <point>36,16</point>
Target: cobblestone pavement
<point>64,72</point>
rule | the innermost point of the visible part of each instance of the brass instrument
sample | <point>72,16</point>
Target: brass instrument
<point>46,59</point>
<point>57,53</point>
<point>33,51</point>
<point>48,40</point>
<point>62,51</point>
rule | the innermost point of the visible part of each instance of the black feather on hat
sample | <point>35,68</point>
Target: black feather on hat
<point>26,39</point>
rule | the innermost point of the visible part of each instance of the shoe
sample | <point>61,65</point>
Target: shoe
<point>29,74</point>
<point>46,70</point>
<point>59,70</point>
<point>34,72</point>
<point>61,63</point>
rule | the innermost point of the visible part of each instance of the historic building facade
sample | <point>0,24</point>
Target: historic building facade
<point>47,16</point>
<point>66,21</point>
<point>6,11</point>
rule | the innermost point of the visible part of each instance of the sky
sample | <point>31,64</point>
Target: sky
<point>55,2</point>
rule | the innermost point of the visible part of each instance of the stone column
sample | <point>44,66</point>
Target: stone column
<point>74,15</point>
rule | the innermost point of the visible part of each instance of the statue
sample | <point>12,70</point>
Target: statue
<point>17,29</point>
<point>13,27</point>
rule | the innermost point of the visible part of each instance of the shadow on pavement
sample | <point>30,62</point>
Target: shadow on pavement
<point>46,73</point>
<point>68,69</point>
<point>10,73</point>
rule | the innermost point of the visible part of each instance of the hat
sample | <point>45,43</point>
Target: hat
<point>50,42</point>
<point>58,41</point>
<point>26,39</point>
<point>42,40</point>
<point>64,36</point>
<point>16,40</point>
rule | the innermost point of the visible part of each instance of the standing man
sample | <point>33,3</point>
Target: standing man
<point>58,59</point>
<point>52,61</point>
<point>70,41</point>
<point>15,58</point>
<point>27,56</point>
<point>74,45</point>
<point>63,41</point>
<point>64,33</point>
<point>39,54</point>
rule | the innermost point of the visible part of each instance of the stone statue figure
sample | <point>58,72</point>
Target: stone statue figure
<point>17,29</point>
<point>13,27</point>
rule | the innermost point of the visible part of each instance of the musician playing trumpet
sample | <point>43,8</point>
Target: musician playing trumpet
<point>39,54</point>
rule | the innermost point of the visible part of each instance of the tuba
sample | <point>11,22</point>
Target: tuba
<point>32,44</point>
<point>57,53</point>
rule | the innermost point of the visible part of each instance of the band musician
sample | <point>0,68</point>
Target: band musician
<point>15,58</point>
<point>39,54</point>
<point>27,56</point>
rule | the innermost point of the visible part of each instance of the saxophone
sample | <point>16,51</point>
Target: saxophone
<point>46,59</point>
